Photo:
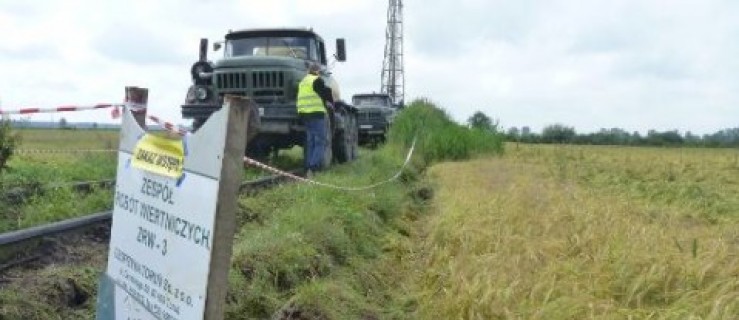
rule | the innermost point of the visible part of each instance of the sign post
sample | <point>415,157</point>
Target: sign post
<point>138,96</point>
<point>174,220</point>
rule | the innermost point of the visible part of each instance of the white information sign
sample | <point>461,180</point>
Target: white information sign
<point>174,219</point>
<point>160,244</point>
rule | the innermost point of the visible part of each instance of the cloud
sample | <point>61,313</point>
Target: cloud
<point>658,66</point>
<point>23,9</point>
<point>637,64</point>
<point>590,64</point>
<point>461,26</point>
<point>136,45</point>
<point>34,51</point>
<point>612,38</point>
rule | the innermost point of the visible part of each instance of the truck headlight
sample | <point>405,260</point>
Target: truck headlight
<point>202,93</point>
<point>201,72</point>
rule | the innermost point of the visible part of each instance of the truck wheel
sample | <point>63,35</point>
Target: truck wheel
<point>354,146</point>
<point>342,148</point>
<point>258,152</point>
<point>327,151</point>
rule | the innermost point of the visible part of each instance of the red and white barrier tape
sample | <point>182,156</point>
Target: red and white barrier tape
<point>263,166</point>
<point>181,131</point>
<point>169,126</point>
<point>115,113</point>
<point>67,108</point>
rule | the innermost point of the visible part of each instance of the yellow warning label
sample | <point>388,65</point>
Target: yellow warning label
<point>159,155</point>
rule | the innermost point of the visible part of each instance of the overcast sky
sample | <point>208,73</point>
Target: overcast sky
<point>633,64</point>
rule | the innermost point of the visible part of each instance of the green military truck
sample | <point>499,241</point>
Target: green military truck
<point>376,113</point>
<point>267,65</point>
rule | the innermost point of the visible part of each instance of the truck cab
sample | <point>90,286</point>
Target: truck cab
<point>376,113</point>
<point>266,65</point>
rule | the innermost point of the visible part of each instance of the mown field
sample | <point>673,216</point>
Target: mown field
<point>565,232</point>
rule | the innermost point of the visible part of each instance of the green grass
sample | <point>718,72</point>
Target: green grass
<point>298,241</point>
<point>55,205</point>
<point>56,293</point>
<point>304,251</point>
<point>54,173</point>
<point>57,139</point>
<point>439,137</point>
<point>66,166</point>
<point>318,251</point>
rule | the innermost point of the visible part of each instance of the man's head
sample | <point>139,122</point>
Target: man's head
<point>314,69</point>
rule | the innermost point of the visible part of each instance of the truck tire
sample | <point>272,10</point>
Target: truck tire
<point>354,146</point>
<point>327,151</point>
<point>258,151</point>
<point>342,147</point>
<point>346,146</point>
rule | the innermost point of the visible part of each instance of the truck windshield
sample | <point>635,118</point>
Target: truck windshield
<point>295,47</point>
<point>370,101</point>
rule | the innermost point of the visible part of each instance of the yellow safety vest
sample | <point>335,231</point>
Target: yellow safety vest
<point>308,100</point>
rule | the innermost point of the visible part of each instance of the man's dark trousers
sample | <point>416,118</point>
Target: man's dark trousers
<point>315,142</point>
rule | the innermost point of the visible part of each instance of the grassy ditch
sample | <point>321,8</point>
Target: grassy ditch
<point>312,251</point>
<point>307,252</point>
<point>583,233</point>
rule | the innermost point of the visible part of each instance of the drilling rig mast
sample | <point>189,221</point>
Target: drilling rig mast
<point>393,79</point>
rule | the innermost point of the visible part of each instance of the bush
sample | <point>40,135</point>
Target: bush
<point>439,137</point>
<point>8,141</point>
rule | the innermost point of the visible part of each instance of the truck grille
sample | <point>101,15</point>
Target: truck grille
<point>268,79</point>
<point>250,80</point>
<point>370,116</point>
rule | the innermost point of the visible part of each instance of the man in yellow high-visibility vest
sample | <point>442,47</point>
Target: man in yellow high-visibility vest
<point>313,98</point>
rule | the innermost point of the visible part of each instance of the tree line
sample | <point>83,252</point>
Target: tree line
<point>560,133</point>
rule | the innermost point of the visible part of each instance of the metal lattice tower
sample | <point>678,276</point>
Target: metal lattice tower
<point>393,79</point>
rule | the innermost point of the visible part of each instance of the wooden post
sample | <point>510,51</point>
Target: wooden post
<point>225,224</point>
<point>138,96</point>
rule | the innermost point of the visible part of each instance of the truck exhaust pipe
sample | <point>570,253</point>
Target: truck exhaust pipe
<point>203,50</point>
